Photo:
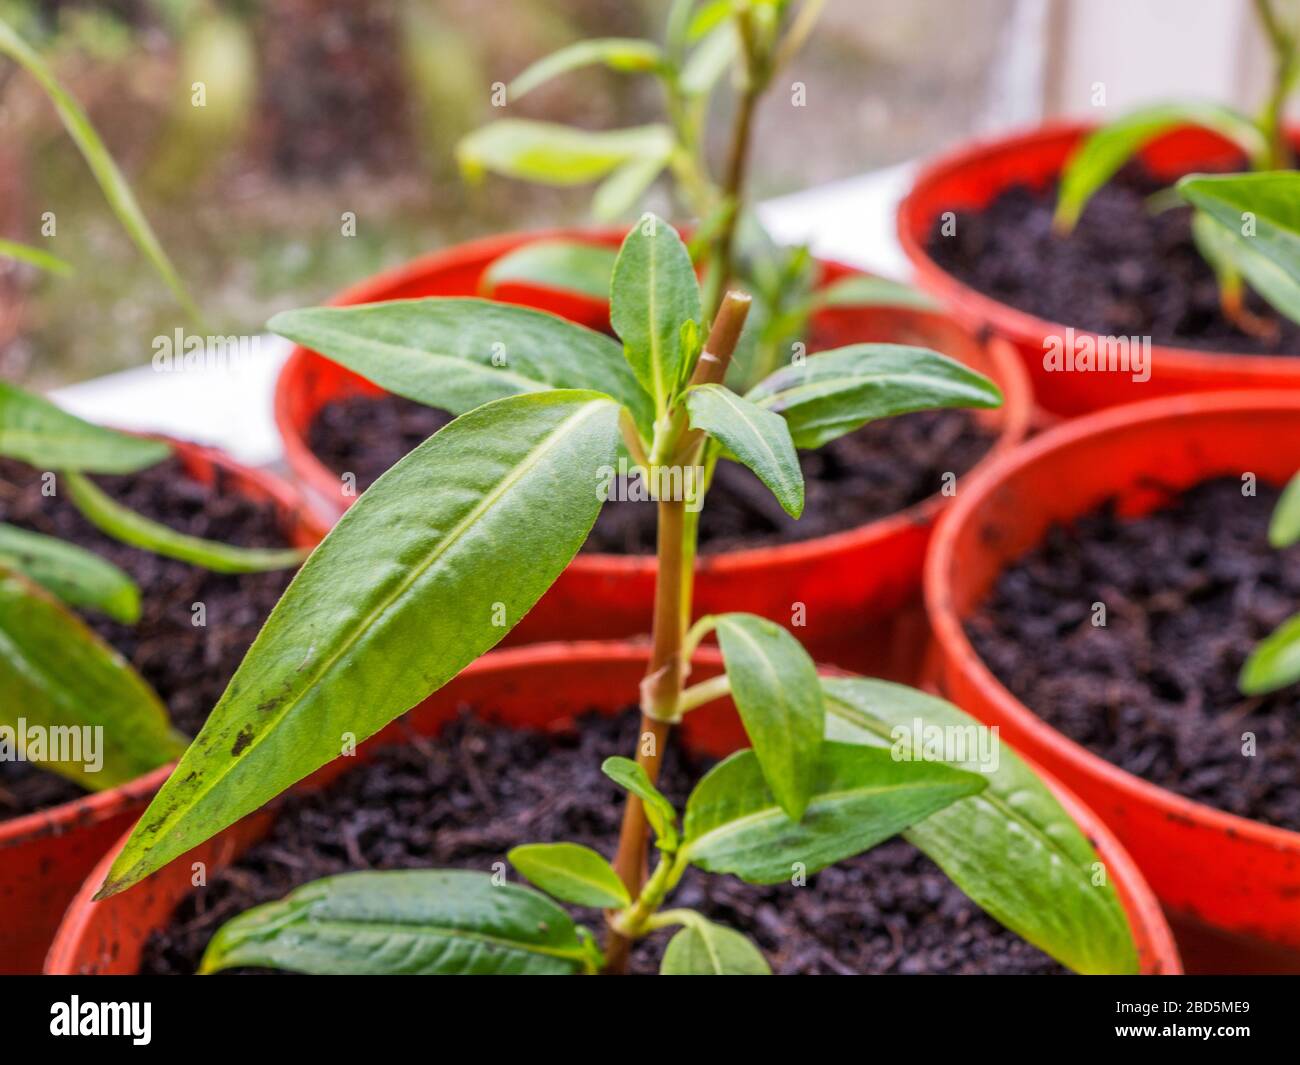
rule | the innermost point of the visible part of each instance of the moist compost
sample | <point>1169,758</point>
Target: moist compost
<point>465,799</point>
<point>881,469</point>
<point>1125,270</point>
<point>1189,590</point>
<point>186,664</point>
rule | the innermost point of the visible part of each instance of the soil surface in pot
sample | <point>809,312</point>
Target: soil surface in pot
<point>881,469</point>
<point>187,665</point>
<point>1188,591</point>
<point>468,797</point>
<point>1126,269</point>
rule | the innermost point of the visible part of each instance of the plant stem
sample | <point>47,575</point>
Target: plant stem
<point>1284,72</point>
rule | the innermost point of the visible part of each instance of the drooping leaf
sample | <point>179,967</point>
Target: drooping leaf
<point>1011,848</point>
<point>838,391</point>
<point>703,948</point>
<point>457,354</point>
<point>625,54</point>
<point>654,292</point>
<point>1284,526</point>
<point>552,154</point>
<point>403,922</point>
<point>755,436</point>
<point>861,797</point>
<point>407,589</point>
<point>77,576</point>
<point>35,431</point>
<point>658,810</point>
<point>863,290</point>
<point>572,873</point>
<point>58,676</point>
<point>126,525</point>
<point>1275,662</point>
<point>36,257</point>
<point>775,688</point>
<point>566,265</point>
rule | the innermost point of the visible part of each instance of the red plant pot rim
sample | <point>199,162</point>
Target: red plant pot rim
<point>956,648</point>
<point>1150,930</point>
<point>913,224</point>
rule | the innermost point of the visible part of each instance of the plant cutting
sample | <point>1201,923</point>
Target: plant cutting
<point>459,539</point>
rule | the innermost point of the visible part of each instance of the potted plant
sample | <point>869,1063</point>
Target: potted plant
<point>1049,239</point>
<point>854,561</point>
<point>455,543</point>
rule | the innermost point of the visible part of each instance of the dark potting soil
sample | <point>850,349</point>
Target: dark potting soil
<point>1189,590</point>
<point>465,799</point>
<point>187,665</point>
<point>1125,270</point>
<point>881,469</point>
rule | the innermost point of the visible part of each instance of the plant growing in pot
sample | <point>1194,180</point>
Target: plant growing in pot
<point>459,539</point>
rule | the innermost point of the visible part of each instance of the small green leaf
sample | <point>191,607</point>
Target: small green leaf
<point>35,431</point>
<point>124,524</point>
<point>403,922</point>
<point>56,675</point>
<point>861,797</point>
<point>566,265</point>
<point>703,948</point>
<point>1275,662</point>
<point>775,688</point>
<point>625,54</point>
<point>619,193</point>
<point>658,810</point>
<point>1284,527</point>
<point>552,154</point>
<point>710,59</point>
<point>654,292</point>
<point>755,436</point>
<point>572,873</point>
<point>863,290</point>
<point>77,576</point>
<point>839,391</point>
<point>36,257</point>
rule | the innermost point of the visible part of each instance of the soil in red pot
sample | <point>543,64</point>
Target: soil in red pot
<point>187,665</point>
<point>1189,590</point>
<point>881,469</point>
<point>1127,269</point>
<point>465,799</point>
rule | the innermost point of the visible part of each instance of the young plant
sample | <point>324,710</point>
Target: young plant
<point>1275,662</point>
<point>476,523</point>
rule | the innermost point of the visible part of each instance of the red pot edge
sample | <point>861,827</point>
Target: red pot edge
<point>1018,408</point>
<point>303,529</point>
<point>954,648</point>
<point>1157,951</point>
<point>1022,327</point>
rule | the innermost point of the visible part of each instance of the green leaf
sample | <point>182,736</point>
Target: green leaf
<point>1275,662</point>
<point>572,873</point>
<point>405,592</point>
<point>839,391</point>
<point>619,193</point>
<point>1011,848</point>
<point>618,53</point>
<point>861,797</point>
<point>775,688</point>
<point>77,576</point>
<point>710,60</point>
<point>404,922</point>
<point>703,948</point>
<point>566,265</point>
<point>863,290</point>
<point>35,431</point>
<point>552,154</point>
<point>654,293</point>
<point>658,810</point>
<point>111,182</point>
<point>36,257</point>
<point>58,676</point>
<point>1284,526</point>
<point>124,524</point>
<point>457,354</point>
<point>757,437</point>
<point>1098,158</point>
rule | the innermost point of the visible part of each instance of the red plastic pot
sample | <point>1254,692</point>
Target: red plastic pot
<point>45,856</point>
<point>861,588</point>
<point>1232,883</point>
<point>542,686</point>
<point>970,177</point>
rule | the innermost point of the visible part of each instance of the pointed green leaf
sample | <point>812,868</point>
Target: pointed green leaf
<point>405,592</point>
<point>1284,527</point>
<point>775,688</point>
<point>710,59</point>
<point>658,810</point>
<point>552,154</point>
<point>35,431</point>
<point>619,193</point>
<point>626,54</point>
<point>56,675</point>
<point>755,436</point>
<point>572,873</point>
<point>567,265</point>
<point>36,257</point>
<point>403,922</point>
<point>703,948</point>
<point>77,576</point>
<point>1011,848</point>
<point>838,391</point>
<point>1275,662</point>
<point>653,293</point>
<point>861,797</point>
